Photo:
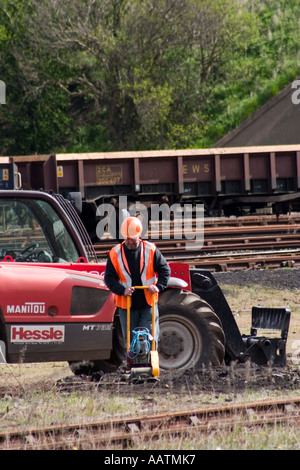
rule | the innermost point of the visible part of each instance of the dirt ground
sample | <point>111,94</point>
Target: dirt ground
<point>242,290</point>
<point>236,378</point>
<point>268,288</point>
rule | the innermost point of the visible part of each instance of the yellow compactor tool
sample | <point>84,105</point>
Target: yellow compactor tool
<point>149,366</point>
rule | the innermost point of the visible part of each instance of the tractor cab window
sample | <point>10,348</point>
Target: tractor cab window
<point>31,231</point>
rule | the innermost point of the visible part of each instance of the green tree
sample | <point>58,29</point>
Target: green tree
<point>35,118</point>
<point>98,75</point>
<point>140,70</point>
<point>268,61</point>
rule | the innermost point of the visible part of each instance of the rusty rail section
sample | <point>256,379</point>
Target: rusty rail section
<point>237,243</point>
<point>126,431</point>
<point>240,261</point>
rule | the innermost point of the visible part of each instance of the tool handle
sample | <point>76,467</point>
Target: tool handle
<point>153,318</point>
<point>128,323</point>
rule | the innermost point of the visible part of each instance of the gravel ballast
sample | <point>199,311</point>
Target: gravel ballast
<point>283,278</point>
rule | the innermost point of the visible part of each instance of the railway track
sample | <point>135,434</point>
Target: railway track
<point>244,260</point>
<point>231,243</point>
<point>128,431</point>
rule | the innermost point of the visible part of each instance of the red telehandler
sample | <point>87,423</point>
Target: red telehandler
<point>54,305</point>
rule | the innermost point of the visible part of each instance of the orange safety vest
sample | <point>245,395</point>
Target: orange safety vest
<point>119,261</point>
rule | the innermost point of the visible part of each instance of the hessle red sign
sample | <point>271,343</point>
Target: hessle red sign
<point>37,334</point>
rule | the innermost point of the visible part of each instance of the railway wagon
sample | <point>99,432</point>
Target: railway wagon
<point>228,181</point>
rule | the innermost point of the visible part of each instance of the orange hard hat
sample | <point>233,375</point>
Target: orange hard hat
<point>131,227</point>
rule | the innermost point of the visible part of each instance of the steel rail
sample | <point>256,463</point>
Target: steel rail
<point>222,231</point>
<point>220,244</point>
<point>233,246</point>
<point>237,261</point>
<point>127,430</point>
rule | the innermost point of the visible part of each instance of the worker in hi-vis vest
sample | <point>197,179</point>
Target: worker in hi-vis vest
<point>136,262</point>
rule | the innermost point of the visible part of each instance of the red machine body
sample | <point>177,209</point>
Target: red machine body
<point>55,306</point>
<point>61,312</point>
<point>55,314</point>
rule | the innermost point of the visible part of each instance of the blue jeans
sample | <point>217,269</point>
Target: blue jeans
<point>140,318</point>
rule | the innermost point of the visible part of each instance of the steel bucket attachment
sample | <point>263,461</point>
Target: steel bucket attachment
<point>267,349</point>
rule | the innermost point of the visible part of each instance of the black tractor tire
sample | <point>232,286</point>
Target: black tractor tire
<point>191,334</point>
